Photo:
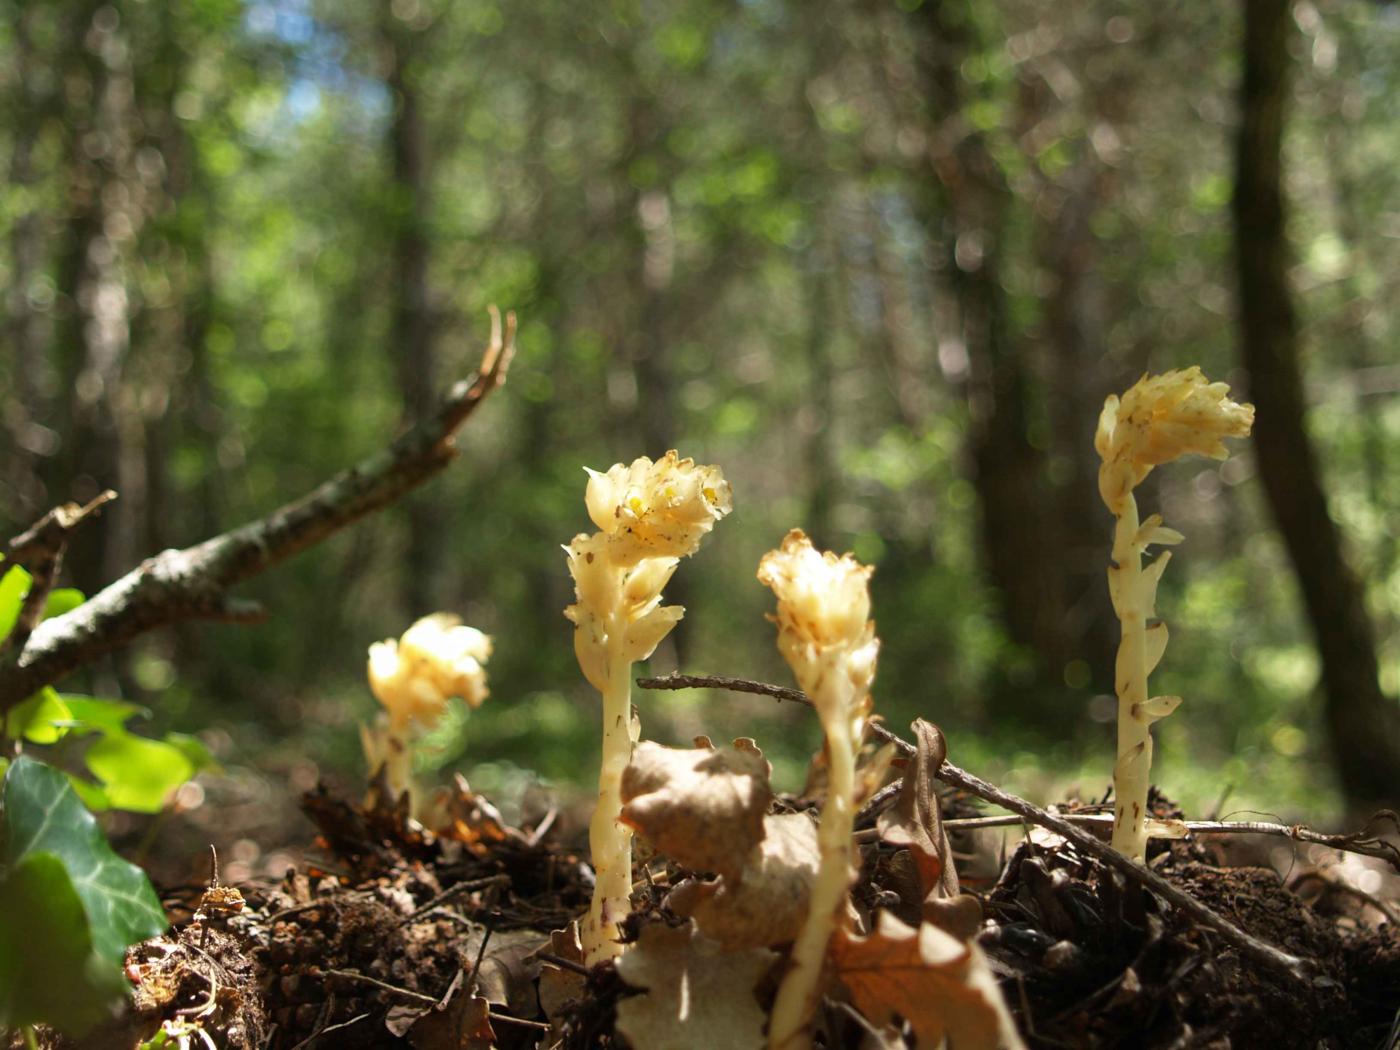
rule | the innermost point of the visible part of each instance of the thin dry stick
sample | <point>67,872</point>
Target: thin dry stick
<point>1359,842</point>
<point>1262,952</point>
<point>178,585</point>
<point>407,993</point>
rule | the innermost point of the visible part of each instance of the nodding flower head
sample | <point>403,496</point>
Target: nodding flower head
<point>656,509</point>
<point>1162,418</point>
<point>823,607</point>
<point>436,659</point>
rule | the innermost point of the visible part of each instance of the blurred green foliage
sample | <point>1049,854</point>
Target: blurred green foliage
<point>718,227</point>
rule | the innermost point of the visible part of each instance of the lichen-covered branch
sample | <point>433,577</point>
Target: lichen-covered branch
<point>194,583</point>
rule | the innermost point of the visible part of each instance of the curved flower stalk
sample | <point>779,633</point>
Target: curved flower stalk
<point>437,658</point>
<point>650,515</point>
<point>828,639</point>
<point>1161,418</point>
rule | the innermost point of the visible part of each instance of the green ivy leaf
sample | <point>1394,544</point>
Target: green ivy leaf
<point>62,600</point>
<point>42,814</point>
<point>48,971</point>
<point>14,585</point>
<point>88,714</point>
<point>137,774</point>
<point>201,758</point>
<point>41,719</point>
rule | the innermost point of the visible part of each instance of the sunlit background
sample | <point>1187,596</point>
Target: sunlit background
<point>881,262</point>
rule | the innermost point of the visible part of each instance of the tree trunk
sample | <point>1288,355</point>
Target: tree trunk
<point>412,335</point>
<point>1364,725</point>
<point>1008,470</point>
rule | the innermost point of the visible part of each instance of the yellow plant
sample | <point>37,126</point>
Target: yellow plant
<point>828,639</point>
<point>414,677</point>
<point>1159,419</point>
<point>649,516</point>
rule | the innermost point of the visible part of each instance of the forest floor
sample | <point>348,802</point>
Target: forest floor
<point>398,937</point>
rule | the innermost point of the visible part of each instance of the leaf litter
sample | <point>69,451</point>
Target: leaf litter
<point>464,936</point>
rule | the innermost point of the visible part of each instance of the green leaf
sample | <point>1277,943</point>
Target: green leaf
<point>14,585</point>
<point>62,600</point>
<point>41,719</point>
<point>137,773</point>
<point>48,971</point>
<point>201,758</point>
<point>93,795</point>
<point>88,714</point>
<point>42,814</point>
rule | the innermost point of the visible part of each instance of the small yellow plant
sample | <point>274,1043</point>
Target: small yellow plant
<point>437,658</point>
<point>1159,419</point>
<point>828,639</point>
<point>649,516</point>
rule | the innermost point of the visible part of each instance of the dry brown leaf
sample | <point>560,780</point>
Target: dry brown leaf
<point>942,986</point>
<point>697,994</point>
<point>704,808</point>
<point>914,821</point>
<point>558,985</point>
<point>766,904</point>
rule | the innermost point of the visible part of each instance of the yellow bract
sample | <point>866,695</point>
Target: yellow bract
<point>1162,418</point>
<point>436,659</point>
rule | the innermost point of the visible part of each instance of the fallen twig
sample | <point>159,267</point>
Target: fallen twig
<point>1260,951</point>
<point>1359,843</point>
<point>407,993</point>
<point>193,583</point>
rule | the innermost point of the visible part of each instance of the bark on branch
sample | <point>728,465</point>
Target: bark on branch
<point>194,583</point>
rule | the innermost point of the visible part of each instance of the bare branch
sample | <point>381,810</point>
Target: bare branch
<point>1260,951</point>
<point>192,583</point>
<point>39,550</point>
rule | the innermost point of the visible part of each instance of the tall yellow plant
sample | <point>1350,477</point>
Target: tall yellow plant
<point>828,639</point>
<point>1159,419</point>
<point>649,516</point>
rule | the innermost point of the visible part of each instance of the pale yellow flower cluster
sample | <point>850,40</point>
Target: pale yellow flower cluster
<point>436,659</point>
<point>650,516</point>
<point>1162,418</point>
<point>656,509</point>
<point>823,610</point>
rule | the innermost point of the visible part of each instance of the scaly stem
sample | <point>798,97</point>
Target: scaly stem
<point>1134,765</point>
<point>609,840</point>
<point>800,991</point>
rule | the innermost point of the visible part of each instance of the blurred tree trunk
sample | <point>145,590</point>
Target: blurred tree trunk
<point>1074,322</point>
<point>413,328</point>
<point>1364,724</point>
<point>1018,545</point>
<point>33,382</point>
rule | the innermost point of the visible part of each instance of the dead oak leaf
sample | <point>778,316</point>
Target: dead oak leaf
<point>703,807</point>
<point>767,902</point>
<point>697,994</point>
<point>914,821</point>
<point>942,986</point>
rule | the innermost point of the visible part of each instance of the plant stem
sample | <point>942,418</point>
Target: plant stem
<point>800,991</point>
<point>1134,764</point>
<point>31,1041</point>
<point>609,840</point>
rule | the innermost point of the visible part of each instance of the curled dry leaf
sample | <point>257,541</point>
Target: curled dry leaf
<point>942,986</point>
<point>766,903</point>
<point>914,821</point>
<point>702,807</point>
<point>697,994</point>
